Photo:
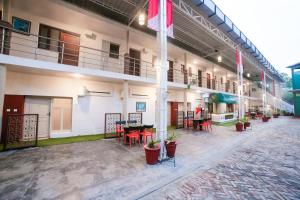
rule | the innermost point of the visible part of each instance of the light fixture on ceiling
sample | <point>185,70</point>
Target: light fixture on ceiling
<point>219,59</point>
<point>142,19</point>
<point>248,75</point>
<point>195,61</point>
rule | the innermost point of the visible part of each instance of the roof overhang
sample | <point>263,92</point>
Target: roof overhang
<point>199,27</point>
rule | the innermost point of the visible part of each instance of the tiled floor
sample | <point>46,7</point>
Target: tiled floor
<point>208,165</point>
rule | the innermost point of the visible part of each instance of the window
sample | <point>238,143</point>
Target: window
<point>114,50</point>
<point>48,38</point>
<point>199,78</point>
<point>61,114</point>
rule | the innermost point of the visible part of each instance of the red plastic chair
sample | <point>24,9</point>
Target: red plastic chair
<point>206,125</point>
<point>190,123</point>
<point>148,132</point>
<point>119,131</point>
<point>133,135</point>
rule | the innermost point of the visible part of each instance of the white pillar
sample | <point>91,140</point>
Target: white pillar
<point>6,10</point>
<point>185,109</point>
<point>162,68</point>
<point>125,100</point>
<point>2,92</point>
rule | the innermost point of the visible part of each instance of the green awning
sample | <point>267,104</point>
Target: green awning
<point>223,98</point>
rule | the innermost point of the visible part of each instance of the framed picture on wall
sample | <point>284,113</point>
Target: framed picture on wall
<point>140,106</point>
<point>21,25</point>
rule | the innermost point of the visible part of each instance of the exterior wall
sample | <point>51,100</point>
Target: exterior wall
<point>88,111</point>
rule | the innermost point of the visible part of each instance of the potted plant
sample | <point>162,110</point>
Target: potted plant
<point>239,126</point>
<point>152,150</point>
<point>247,123</point>
<point>276,115</point>
<point>265,118</point>
<point>171,144</point>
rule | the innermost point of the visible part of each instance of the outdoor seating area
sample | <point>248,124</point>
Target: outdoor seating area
<point>202,124</point>
<point>131,132</point>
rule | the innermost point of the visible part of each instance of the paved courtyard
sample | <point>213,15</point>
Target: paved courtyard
<point>260,164</point>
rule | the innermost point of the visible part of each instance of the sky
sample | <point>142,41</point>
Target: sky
<point>273,26</point>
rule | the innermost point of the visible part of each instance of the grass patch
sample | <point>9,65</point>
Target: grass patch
<point>68,140</point>
<point>231,123</point>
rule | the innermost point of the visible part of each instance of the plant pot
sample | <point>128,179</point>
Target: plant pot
<point>246,124</point>
<point>171,148</point>
<point>239,127</point>
<point>265,119</point>
<point>152,154</point>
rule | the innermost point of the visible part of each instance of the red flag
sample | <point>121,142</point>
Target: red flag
<point>153,14</point>
<point>170,18</point>
<point>238,59</point>
<point>262,75</point>
<point>153,22</point>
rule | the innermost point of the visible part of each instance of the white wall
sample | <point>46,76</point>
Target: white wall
<point>88,111</point>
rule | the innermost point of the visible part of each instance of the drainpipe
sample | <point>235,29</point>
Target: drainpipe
<point>125,100</point>
<point>2,92</point>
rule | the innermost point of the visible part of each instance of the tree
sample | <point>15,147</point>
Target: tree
<point>287,96</point>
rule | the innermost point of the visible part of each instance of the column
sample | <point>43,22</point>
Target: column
<point>125,100</point>
<point>185,109</point>
<point>5,10</point>
<point>2,92</point>
<point>162,75</point>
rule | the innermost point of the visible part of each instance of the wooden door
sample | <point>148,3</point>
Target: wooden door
<point>40,106</point>
<point>199,78</point>
<point>69,49</point>
<point>135,62</point>
<point>13,104</point>
<point>174,113</point>
<point>171,71</point>
<point>185,74</point>
<point>208,79</point>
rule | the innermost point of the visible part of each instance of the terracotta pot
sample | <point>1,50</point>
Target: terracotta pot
<point>152,155</point>
<point>239,127</point>
<point>265,119</point>
<point>171,148</point>
<point>246,124</point>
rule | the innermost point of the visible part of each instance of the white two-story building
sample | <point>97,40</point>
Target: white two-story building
<point>74,62</point>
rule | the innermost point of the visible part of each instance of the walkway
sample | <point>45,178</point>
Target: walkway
<point>221,165</point>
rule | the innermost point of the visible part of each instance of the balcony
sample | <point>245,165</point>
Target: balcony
<point>73,54</point>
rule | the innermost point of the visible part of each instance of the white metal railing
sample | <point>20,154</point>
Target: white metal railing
<point>52,50</point>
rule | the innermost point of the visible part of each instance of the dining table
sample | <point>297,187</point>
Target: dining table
<point>197,122</point>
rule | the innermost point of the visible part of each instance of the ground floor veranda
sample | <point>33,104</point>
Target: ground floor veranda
<point>106,169</point>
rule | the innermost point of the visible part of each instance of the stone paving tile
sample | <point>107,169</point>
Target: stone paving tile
<point>268,168</point>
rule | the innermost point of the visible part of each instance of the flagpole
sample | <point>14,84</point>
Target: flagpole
<point>162,69</point>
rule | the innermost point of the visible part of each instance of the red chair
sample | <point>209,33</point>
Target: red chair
<point>133,135</point>
<point>190,123</point>
<point>206,125</point>
<point>119,130</point>
<point>148,132</point>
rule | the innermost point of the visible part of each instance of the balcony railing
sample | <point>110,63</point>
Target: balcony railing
<point>57,51</point>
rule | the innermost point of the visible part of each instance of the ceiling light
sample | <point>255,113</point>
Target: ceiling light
<point>248,75</point>
<point>142,19</point>
<point>195,62</point>
<point>219,58</point>
<point>215,70</point>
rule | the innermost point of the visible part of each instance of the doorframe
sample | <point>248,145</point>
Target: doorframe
<point>45,97</point>
<point>51,132</point>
